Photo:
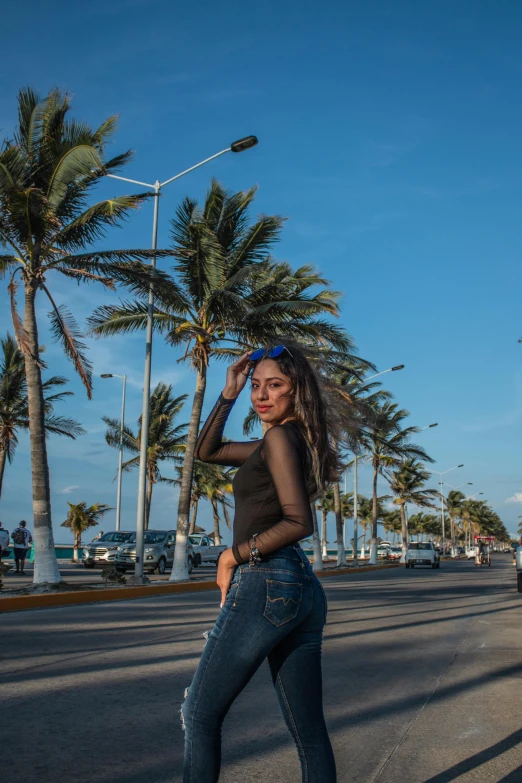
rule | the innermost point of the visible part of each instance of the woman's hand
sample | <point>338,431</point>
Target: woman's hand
<point>237,375</point>
<point>225,572</point>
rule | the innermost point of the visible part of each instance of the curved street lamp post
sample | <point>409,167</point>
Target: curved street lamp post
<point>237,146</point>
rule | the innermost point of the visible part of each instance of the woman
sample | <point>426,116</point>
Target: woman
<point>272,604</point>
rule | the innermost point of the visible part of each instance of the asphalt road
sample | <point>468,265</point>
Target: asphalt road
<point>423,684</point>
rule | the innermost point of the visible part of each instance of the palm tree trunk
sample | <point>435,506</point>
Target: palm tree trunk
<point>373,546</point>
<point>339,526</point>
<point>194,517</point>
<point>324,545</point>
<point>316,543</point>
<point>77,544</point>
<point>217,534</point>
<point>226,515</point>
<point>150,487</point>
<point>180,566</point>
<point>363,543</point>
<point>404,533</point>
<point>45,563</point>
<point>3,459</point>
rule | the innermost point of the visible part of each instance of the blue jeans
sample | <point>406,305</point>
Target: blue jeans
<point>276,610</point>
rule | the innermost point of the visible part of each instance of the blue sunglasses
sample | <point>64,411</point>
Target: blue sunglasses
<point>264,352</point>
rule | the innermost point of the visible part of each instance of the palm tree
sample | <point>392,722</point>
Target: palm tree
<point>325,504</point>
<point>387,443</point>
<point>406,482</point>
<point>166,439</point>
<point>47,170</point>
<point>365,509</point>
<point>392,524</point>
<point>80,517</point>
<point>453,504</point>
<point>229,296</point>
<point>14,412</point>
<point>213,483</point>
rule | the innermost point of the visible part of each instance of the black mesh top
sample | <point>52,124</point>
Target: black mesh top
<point>271,498</point>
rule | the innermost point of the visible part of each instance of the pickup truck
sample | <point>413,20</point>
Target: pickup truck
<point>204,550</point>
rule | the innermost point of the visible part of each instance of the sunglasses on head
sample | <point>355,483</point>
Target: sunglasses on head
<point>268,354</point>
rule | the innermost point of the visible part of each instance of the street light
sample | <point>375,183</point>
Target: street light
<point>441,474</point>
<point>390,369</point>
<point>428,426</point>
<point>237,146</point>
<point>120,458</point>
<point>355,463</point>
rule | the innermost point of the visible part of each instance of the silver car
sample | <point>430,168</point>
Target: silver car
<point>158,554</point>
<point>103,551</point>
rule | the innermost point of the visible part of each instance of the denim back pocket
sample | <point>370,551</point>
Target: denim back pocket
<point>283,600</point>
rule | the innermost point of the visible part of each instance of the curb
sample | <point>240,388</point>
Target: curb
<point>23,602</point>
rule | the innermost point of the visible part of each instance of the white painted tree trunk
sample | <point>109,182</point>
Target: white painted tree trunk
<point>324,545</point>
<point>45,563</point>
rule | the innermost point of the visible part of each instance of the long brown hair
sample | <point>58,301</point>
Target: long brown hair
<point>312,415</point>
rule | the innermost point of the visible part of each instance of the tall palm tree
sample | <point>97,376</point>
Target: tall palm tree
<point>388,444</point>
<point>406,482</point>
<point>14,410</point>
<point>229,295</point>
<point>80,517</point>
<point>166,438</point>
<point>47,229</point>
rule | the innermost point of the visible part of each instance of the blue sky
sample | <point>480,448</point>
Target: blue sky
<point>390,139</point>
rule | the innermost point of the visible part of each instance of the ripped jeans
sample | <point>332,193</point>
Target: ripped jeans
<point>276,610</point>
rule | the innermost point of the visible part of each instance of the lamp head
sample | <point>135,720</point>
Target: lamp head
<point>398,367</point>
<point>460,466</point>
<point>244,144</point>
<point>107,375</point>
<point>433,425</point>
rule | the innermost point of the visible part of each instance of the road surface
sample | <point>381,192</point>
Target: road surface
<point>423,684</point>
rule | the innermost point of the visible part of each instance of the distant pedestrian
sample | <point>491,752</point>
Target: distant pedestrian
<point>21,540</point>
<point>4,540</point>
<point>272,604</point>
<point>97,538</point>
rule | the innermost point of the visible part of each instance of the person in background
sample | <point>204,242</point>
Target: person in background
<point>97,538</point>
<point>4,540</point>
<point>21,540</point>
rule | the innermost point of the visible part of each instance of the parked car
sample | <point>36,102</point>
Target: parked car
<point>204,550</point>
<point>158,553</point>
<point>383,551</point>
<point>395,553</point>
<point>103,550</point>
<point>422,553</point>
<point>471,552</point>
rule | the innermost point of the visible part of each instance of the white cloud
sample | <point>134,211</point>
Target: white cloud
<point>68,490</point>
<point>516,498</point>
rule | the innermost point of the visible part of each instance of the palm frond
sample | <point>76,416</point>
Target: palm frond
<point>61,425</point>
<point>75,164</point>
<point>65,330</point>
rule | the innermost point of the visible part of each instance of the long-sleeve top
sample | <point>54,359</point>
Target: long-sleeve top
<point>270,487</point>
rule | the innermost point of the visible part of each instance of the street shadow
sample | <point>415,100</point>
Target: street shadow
<point>481,758</point>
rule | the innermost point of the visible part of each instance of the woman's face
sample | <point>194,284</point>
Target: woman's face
<point>272,393</point>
